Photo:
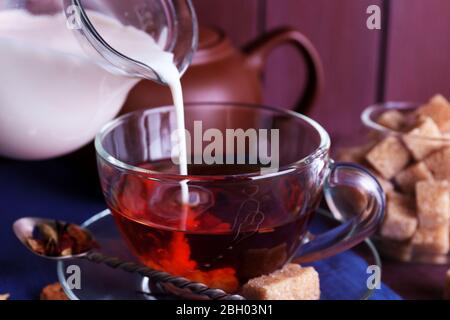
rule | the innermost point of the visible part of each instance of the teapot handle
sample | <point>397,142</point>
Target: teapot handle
<point>259,51</point>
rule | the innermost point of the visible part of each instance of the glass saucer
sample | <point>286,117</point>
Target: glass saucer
<point>99,282</point>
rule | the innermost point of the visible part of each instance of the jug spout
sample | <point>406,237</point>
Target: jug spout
<point>174,32</point>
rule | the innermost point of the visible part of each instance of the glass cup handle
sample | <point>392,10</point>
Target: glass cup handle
<point>356,199</point>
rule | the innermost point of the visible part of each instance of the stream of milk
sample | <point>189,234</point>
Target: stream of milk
<point>50,52</point>
<point>140,46</point>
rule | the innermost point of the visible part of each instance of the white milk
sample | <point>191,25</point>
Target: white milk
<point>140,46</point>
<point>54,99</point>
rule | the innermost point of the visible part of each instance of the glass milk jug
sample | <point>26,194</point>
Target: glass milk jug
<point>61,78</point>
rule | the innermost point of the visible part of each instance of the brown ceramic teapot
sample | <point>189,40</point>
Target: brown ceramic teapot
<point>221,73</point>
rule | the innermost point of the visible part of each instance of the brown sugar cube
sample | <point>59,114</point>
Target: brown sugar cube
<point>398,250</point>
<point>400,221</point>
<point>439,164</point>
<point>264,260</point>
<point>408,178</point>
<point>290,283</point>
<point>53,292</point>
<point>446,138</point>
<point>438,109</point>
<point>354,154</point>
<point>389,157</point>
<point>424,139</point>
<point>447,286</point>
<point>432,241</point>
<point>392,119</point>
<point>386,185</point>
<point>4,296</point>
<point>433,203</point>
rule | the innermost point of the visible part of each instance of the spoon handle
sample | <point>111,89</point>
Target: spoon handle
<point>177,285</point>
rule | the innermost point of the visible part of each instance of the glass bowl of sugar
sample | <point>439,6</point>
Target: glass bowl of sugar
<point>407,148</point>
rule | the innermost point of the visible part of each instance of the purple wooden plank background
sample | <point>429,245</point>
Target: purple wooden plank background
<point>338,29</point>
<point>419,50</point>
<point>349,52</point>
<point>239,19</point>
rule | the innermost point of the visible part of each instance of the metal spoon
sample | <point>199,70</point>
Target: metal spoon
<point>182,287</point>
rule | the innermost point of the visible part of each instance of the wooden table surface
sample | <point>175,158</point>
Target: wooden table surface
<point>415,281</point>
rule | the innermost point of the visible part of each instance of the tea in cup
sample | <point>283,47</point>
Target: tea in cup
<point>255,177</point>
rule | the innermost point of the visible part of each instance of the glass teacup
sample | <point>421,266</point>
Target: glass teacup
<point>246,216</point>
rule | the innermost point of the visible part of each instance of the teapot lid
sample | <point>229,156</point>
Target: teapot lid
<point>213,45</point>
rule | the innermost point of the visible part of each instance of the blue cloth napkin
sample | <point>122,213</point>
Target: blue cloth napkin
<point>61,189</point>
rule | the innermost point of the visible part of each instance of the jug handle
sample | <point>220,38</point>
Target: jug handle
<point>259,51</point>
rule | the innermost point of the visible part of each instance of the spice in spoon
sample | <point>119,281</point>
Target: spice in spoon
<point>59,239</point>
